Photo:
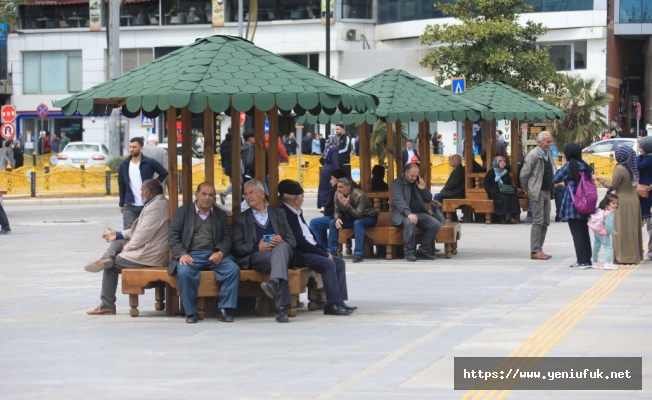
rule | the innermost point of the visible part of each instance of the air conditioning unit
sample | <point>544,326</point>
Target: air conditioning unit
<point>351,35</point>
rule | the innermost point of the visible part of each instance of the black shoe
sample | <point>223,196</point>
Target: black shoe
<point>437,250</point>
<point>336,309</point>
<point>224,315</point>
<point>282,315</point>
<point>301,304</point>
<point>579,265</point>
<point>423,253</point>
<point>409,256</point>
<point>5,231</point>
<point>191,319</point>
<point>347,308</point>
<point>222,198</point>
<point>557,219</point>
<point>270,288</point>
<point>357,259</point>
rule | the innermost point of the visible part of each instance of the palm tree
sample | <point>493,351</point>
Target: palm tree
<point>379,141</point>
<point>583,105</point>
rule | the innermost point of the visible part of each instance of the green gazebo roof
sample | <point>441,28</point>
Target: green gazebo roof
<point>505,102</point>
<point>219,72</point>
<point>406,97</point>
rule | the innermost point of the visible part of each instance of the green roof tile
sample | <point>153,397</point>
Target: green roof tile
<point>217,72</point>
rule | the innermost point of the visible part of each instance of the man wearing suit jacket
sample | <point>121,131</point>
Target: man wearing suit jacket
<point>409,152</point>
<point>312,255</point>
<point>200,240</point>
<point>144,245</point>
<point>263,241</point>
<point>454,187</point>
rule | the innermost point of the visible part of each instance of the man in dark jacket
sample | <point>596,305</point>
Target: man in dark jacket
<point>408,152</point>
<point>410,196</point>
<point>248,156</point>
<point>306,144</point>
<point>312,255</point>
<point>227,169</point>
<point>19,157</point>
<point>454,187</point>
<point>263,241</point>
<point>200,241</point>
<point>290,144</point>
<point>133,171</point>
<point>345,149</point>
<point>319,226</point>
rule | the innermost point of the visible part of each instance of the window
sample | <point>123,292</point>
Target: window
<point>52,72</point>
<point>134,58</point>
<point>567,56</point>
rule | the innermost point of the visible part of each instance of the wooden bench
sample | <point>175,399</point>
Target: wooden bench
<point>135,281</point>
<point>475,205</point>
<point>391,236</point>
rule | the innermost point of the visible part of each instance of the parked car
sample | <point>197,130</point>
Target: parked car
<point>607,147</point>
<point>196,157</point>
<point>88,152</point>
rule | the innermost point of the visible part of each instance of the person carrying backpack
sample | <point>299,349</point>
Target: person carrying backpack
<point>578,204</point>
<point>602,225</point>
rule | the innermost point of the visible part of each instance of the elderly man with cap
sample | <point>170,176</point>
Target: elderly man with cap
<point>319,226</point>
<point>312,255</point>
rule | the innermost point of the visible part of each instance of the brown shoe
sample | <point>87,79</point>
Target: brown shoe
<point>101,311</point>
<point>99,265</point>
<point>538,256</point>
<point>547,255</point>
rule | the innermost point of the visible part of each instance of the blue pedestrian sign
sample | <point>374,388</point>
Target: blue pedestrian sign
<point>458,84</point>
<point>266,127</point>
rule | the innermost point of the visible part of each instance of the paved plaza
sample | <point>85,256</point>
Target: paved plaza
<point>413,319</point>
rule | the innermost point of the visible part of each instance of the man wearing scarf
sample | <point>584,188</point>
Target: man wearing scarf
<point>536,181</point>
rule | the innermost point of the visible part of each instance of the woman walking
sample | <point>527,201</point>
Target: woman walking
<point>330,162</point>
<point>644,163</point>
<point>570,174</point>
<point>628,245</point>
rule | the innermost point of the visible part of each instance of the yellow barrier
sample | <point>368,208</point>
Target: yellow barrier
<point>66,179</point>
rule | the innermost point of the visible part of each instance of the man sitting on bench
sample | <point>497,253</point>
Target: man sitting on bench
<point>454,187</point>
<point>319,226</point>
<point>144,245</point>
<point>410,196</point>
<point>352,210</point>
<point>312,255</point>
<point>263,241</point>
<point>200,240</point>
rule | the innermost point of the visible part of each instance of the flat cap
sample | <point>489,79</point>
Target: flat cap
<point>288,186</point>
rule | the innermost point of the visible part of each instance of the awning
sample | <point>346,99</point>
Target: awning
<point>52,2</point>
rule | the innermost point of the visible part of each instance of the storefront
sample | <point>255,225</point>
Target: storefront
<point>29,125</point>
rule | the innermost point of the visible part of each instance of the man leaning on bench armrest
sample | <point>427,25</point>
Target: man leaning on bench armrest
<point>410,196</point>
<point>200,240</point>
<point>263,241</point>
<point>144,245</point>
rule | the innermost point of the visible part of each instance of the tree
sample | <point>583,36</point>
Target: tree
<point>583,105</point>
<point>8,14</point>
<point>489,45</point>
<point>379,142</point>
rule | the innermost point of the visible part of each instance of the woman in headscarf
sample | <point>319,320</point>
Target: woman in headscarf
<point>644,163</point>
<point>330,162</point>
<point>628,244</point>
<point>499,188</point>
<point>570,175</point>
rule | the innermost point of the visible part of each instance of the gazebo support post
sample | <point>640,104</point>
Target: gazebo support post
<point>236,177</point>
<point>186,155</point>
<point>390,159</point>
<point>514,136</point>
<point>209,145</point>
<point>273,156</point>
<point>400,162</point>
<point>259,146</point>
<point>173,172</point>
<point>494,139</point>
<point>469,182</point>
<point>488,145</point>
<point>424,152</point>
<point>365,157</point>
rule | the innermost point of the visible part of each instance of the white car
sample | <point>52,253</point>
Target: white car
<point>196,158</point>
<point>88,152</point>
<point>607,147</point>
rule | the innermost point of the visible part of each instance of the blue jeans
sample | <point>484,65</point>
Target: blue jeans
<point>228,189</point>
<point>358,226</point>
<point>605,242</point>
<point>438,197</point>
<point>319,228</point>
<point>227,274</point>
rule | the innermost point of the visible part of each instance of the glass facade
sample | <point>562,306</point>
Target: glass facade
<point>635,11</point>
<point>396,11</point>
<point>279,10</point>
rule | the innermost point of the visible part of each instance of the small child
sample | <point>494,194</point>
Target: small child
<point>602,225</point>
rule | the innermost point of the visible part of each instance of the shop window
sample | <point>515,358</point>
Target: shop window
<point>52,72</point>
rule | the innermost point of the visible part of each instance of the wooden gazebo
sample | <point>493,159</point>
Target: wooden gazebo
<point>219,74</point>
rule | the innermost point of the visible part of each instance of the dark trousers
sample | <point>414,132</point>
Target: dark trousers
<point>275,263</point>
<point>559,196</point>
<point>130,213</point>
<point>581,239</point>
<point>426,222</point>
<point>333,274</point>
<point>4,221</point>
<point>347,169</point>
<point>110,275</point>
<point>227,273</point>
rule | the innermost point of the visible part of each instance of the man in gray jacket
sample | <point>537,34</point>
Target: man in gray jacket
<point>7,156</point>
<point>143,245</point>
<point>536,181</point>
<point>410,196</point>
<point>152,150</point>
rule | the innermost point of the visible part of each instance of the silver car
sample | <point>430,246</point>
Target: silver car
<point>607,147</point>
<point>88,152</point>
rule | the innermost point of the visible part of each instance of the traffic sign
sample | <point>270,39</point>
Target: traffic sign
<point>8,130</point>
<point>458,84</point>
<point>8,113</point>
<point>42,110</point>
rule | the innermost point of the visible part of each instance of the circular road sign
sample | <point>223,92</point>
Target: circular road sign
<point>42,110</point>
<point>8,130</point>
